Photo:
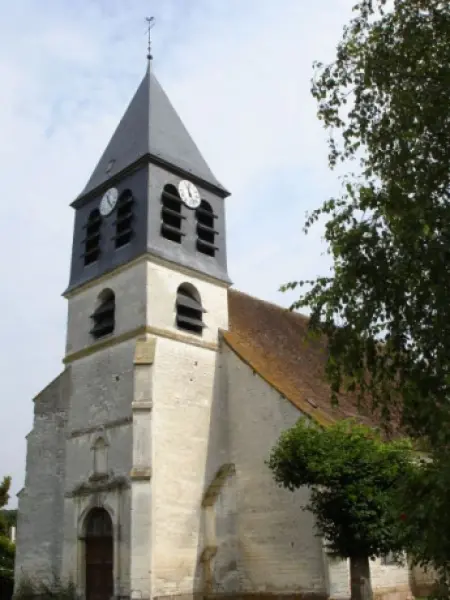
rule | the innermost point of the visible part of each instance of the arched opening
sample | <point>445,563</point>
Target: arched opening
<point>92,238</point>
<point>171,215</point>
<point>206,234</point>
<point>99,555</point>
<point>124,225</point>
<point>189,309</point>
<point>104,315</point>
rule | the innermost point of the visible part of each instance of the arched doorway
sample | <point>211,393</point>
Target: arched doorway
<point>99,555</point>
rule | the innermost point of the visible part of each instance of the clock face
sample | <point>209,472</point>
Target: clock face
<point>108,202</point>
<point>189,194</point>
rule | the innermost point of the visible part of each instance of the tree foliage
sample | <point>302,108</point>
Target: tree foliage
<point>4,491</point>
<point>385,101</point>
<point>354,479</point>
<point>425,499</point>
<point>7,548</point>
<point>10,517</point>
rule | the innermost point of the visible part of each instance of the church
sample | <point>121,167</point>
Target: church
<point>145,468</point>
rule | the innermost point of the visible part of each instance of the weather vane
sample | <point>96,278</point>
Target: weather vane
<point>151,22</point>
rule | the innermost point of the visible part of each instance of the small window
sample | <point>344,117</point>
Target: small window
<point>124,219</point>
<point>206,234</point>
<point>92,238</point>
<point>104,315</point>
<point>189,309</point>
<point>171,216</point>
<point>100,449</point>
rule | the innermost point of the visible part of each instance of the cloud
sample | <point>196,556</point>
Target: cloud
<point>239,74</point>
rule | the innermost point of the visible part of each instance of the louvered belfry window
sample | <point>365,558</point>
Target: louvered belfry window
<point>189,309</point>
<point>103,317</point>
<point>124,219</point>
<point>171,214</point>
<point>92,238</point>
<point>206,234</point>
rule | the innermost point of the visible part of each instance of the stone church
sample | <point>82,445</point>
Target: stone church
<point>145,468</point>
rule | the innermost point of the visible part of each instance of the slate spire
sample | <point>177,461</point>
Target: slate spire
<point>151,128</point>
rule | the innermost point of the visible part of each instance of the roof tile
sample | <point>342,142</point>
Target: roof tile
<point>275,343</point>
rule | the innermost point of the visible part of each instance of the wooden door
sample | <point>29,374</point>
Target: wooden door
<point>99,555</point>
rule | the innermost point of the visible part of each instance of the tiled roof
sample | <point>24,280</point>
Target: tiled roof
<point>273,341</point>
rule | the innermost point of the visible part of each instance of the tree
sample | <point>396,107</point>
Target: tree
<point>425,497</point>
<point>10,517</point>
<point>385,102</point>
<point>4,491</point>
<point>355,480</point>
<point>7,548</point>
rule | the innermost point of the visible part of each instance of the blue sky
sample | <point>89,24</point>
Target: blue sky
<point>237,71</point>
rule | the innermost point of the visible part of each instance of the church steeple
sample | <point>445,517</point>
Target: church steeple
<point>131,204</point>
<point>152,129</point>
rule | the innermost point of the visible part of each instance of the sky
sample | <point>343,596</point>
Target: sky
<point>237,71</point>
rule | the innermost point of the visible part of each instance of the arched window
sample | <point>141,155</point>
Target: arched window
<point>171,216</point>
<point>124,219</point>
<point>189,309</point>
<point>92,238</point>
<point>206,233</point>
<point>104,315</point>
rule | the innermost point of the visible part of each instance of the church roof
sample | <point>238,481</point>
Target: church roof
<point>152,127</point>
<point>273,342</point>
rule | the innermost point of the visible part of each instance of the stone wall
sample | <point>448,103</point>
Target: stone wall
<point>100,406</point>
<point>389,581</point>
<point>185,458</point>
<point>41,502</point>
<point>129,286</point>
<point>162,284</point>
<point>279,551</point>
<point>188,425</point>
<point>247,596</point>
<point>422,581</point>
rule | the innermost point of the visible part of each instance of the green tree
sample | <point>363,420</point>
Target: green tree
<point>355,480</point>
<point>10,516</point>
<point>385,102</point>
<point>7,548</point>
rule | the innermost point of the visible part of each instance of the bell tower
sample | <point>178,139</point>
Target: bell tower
<point>151,196</point>
<point>151,192</point>
<point>147,296</point>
